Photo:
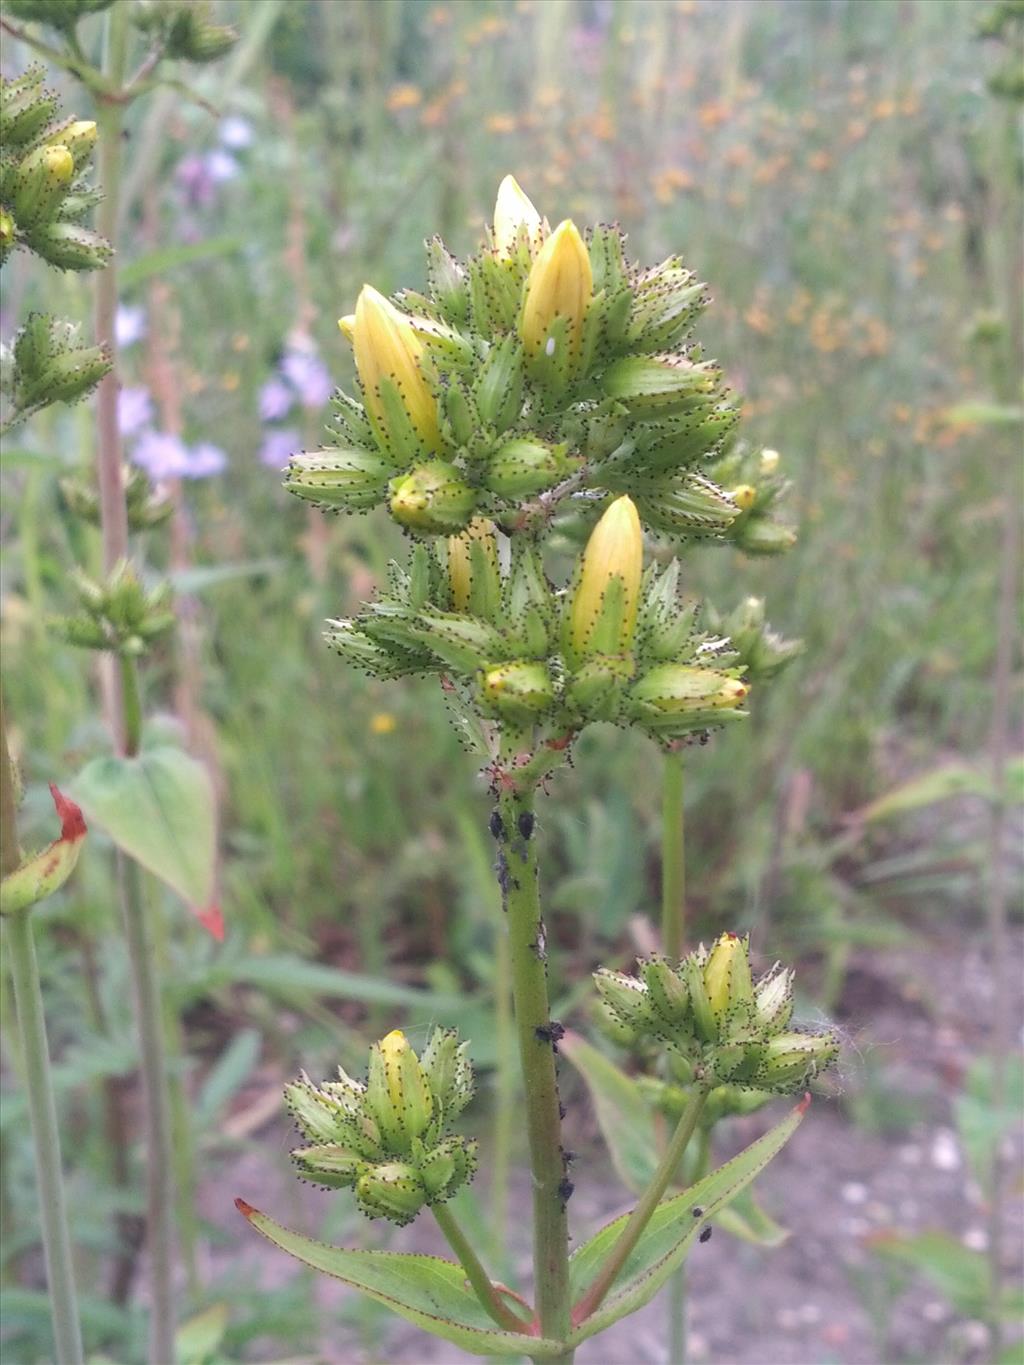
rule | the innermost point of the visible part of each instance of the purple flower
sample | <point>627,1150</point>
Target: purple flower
<point>129,325</point>
<point>220,166</point>
<point>278,446</point>
<point>205,459</point>
<point>236,133</point>
<point>134,410</point>
<point>163,456</point>
<point>309,376</point>
<point>276,398</point>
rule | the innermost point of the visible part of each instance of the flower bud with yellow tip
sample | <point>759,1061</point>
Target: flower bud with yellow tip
<point>681,687</point>
<point>515,219</point>
<point>388,353</point>
<point>727,977</point>
<point>744,495</point>
<point>603,609</point>
<point>39,183</point>
<point>397,1095</point>
<point>520,690</point>
<point>474,580</point>
<point>433,499</point>
<point>559,289</point>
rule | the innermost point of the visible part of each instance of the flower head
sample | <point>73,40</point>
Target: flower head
<point>558,293</point>
<point>388,354</point>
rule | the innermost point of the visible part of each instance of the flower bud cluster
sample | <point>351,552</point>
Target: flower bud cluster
<point>51,365</point>
<point>755,484</point>
<point>60,14</point>
<point>762,652</point>
<point>546,366</point>
<point>185,29</point>
<point>722,1028</point>
<point>616,645</point>
<point>43,193</point>
<point>119,615</point>
<point>389,1138</point>
<point>146,506</point>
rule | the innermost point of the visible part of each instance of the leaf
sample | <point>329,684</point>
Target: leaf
<point>169,258</point>
<point>197,580</point>
<point>673,1229</point>
<point>228,1074</point>
<point>957,1272</point>
<point>196,1340</point>
<point>746,1219</point>
<point>159,809</point>
<point>283,973</point>
<point>424,1290</point>
<point>952,779</point>
<point>623,1113</point>
<point>981,413</point>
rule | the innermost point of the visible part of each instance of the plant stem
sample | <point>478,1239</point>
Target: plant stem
<point>156,1111</point>
<point>673,922</point>
<point>28,999</point>
<point>477,1276</point>
<point>673,857</point>
<point>153,1060</point>
<point>641,1215</point>
<point>518,879</point>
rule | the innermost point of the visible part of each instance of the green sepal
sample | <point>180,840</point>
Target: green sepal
<point>447,282</point>
<point>335,479</point>
<point>464,642</point>
<point>498,388</point>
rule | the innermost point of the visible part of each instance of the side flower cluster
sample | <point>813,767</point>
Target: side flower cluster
<point>43,191</point>
<point>547,366</point>
<point>389,1138</point>
<point>720,1026</point>
<point>615,645</point>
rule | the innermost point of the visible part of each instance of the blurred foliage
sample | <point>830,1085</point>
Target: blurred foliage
<point>840,176</point>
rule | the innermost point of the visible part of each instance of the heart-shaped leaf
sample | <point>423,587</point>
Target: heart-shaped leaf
<point>159,809</point>
<point>623,1114</point>
<point>425,1290</point>
<point>673,1229</point>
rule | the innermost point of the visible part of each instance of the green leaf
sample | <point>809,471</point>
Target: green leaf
<point>197,580</point>
<point>424,1290</point>
<point>196,1340</point>
<point>169,258</point>
<point>623,1114</point>
<point>673,1229</point>
<point>957,1272</point>
<point>159,809</point>
<point>953,779</point>
<point>746,1219</point>
<point>982,413</point>
<point>282,973</point>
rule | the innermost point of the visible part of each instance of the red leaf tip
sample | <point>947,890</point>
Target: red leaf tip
<point>804,1104</point>
<point>72,821</point>
<point>212,920</point>
<point>246,1210</point>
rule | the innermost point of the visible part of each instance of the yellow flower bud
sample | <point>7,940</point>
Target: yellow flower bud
<point>480,531</point>
<point>388,353</point>
<point>347,326</point>
<point>744,495</point>
<point>604,606</point>
<point>727,974</point>
<point>559,286</point>
<point>769,462</point>
<point>512,211</point>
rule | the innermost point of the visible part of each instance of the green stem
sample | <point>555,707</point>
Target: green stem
<point>518,877</point>
<point>152,1057</point>
<point>28,999</point>
<point>156,1110</point>
<point>490,1297</point>
<point>641,1215</point>
<point>505,1098</point>
<point>673,857</point>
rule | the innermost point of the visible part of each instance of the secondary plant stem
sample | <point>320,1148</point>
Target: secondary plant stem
<point>673,922</point>
<point>518,877</point>
<point>28,998</point>
<point>477,1276</point>
<point>641,1215</point>
<point>673,857</point>
<point>156,1110</point>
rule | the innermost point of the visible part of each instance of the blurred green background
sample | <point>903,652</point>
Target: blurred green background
<point>839,173</point>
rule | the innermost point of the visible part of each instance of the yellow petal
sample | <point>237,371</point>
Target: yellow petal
<point>386,346</point>
<point>615,550</point>
<point>513,210</point>
<point>560,285</point>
